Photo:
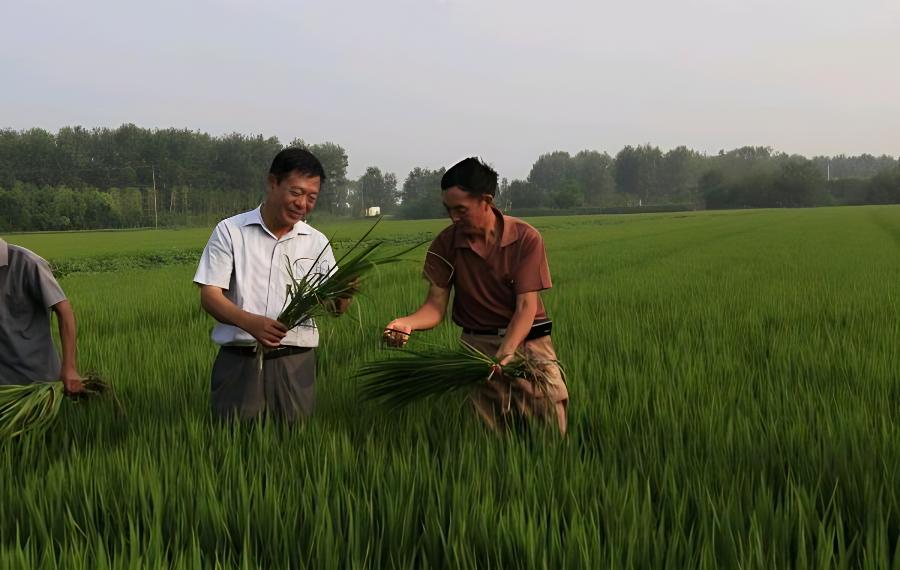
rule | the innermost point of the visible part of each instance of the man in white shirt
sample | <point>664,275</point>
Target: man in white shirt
<point>243,277</point>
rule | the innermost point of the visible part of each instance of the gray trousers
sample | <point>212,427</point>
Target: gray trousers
<point>284,389</point>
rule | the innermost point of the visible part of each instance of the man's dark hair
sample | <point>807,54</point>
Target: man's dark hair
<point>295,159</point>
<point>473,176</point>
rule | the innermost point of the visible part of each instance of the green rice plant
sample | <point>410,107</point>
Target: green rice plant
<point>419,374</point>
<point>733,382</point>
<point>29,408</point>
<point>316,293</point>
<point>33,408</point>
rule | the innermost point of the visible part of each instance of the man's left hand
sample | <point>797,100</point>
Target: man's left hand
<point>339,305</point>
<point>352,288</point>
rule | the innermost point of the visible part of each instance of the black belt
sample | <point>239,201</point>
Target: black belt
<point>538,330</point>
<point>268,354</point>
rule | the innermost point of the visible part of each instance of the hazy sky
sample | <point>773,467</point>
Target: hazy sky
<point>424,83</point>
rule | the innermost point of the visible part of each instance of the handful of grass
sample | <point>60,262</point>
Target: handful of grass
<point>316,293</point>
<point>398,382</point>
<point>33,408</point>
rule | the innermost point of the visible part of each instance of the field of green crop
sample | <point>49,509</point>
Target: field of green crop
<point>735,385</point>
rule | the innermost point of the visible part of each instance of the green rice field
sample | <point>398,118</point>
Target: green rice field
<point>735,403</point>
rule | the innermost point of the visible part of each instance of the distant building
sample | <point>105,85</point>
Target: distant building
<point>373,211</point>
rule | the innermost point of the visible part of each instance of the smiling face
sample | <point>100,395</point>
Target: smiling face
<point>472,214</point>
<point>290,200</point>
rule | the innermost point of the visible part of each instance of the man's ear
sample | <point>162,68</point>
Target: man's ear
<point>489,199</point>
<point>271,182</point>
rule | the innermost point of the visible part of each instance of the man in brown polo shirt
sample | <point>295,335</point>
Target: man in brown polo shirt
<point>497,266</point>
<point>28,292</point>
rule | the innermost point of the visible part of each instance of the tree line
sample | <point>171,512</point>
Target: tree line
<point>82,178</point>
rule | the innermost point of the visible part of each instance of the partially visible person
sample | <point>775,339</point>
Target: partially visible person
<point>28,295</point>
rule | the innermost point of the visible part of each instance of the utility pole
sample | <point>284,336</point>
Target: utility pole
<point>155,212</point>
<point>365,211</point>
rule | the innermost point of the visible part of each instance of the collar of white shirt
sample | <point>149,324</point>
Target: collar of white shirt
<point>254,217</point>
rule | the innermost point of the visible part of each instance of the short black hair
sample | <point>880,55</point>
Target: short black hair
<point>473,176</point>
<point>296,159</point>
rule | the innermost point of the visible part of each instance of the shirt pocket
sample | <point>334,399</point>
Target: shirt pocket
<point>313,269</point>
<point>300,268</point>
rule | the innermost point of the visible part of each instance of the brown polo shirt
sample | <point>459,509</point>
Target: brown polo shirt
<point>486,287</point>
<point>27,291</point>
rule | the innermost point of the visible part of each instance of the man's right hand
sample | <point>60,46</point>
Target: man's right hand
<point>71,380</point>
<point>268,332</point>
<point>397,332</point>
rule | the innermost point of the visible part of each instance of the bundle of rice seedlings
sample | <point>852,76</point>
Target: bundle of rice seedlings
<point>316,293</point>
<point>33,408</point>
<point>421,374</point>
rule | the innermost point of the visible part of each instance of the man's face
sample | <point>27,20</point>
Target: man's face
<point>470,213</point>
<point>292,199</point>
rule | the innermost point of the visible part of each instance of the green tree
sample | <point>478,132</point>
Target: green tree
<point>551,170</point>
<point>553,173</point>
<point>884,187</point>
<point>523,194</point>
<point>335,193</point>
<point>679,172</point>
<point>421,194</point>
<point>636,172</point>
<point>713,189</point>
<point>594,172</point>
<point>378,189</point>
<point>570,195</point>
<point>799,183</point>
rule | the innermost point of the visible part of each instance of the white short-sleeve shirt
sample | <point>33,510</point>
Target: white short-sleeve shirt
<point>246,260</point>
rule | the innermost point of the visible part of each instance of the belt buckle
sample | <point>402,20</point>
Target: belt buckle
<point>275,352</point>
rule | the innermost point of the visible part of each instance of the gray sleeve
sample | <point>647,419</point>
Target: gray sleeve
<point>47,285</point>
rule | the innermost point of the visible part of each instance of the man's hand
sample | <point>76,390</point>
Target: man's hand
<point>522,384</point>
<point>268,332</point>
<point>352,288</point>
<point>505,358</point>
<point>397,332</point>
<point>71,381</point>
<point>339,305</point>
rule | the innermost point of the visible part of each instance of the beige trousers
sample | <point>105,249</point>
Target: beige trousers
<point>503,401</point>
